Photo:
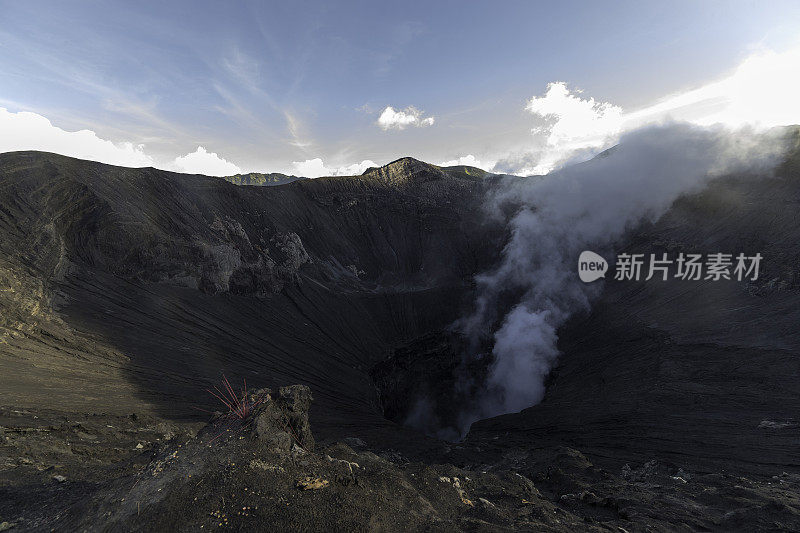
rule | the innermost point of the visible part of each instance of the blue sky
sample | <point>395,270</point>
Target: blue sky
<point>296,86</point>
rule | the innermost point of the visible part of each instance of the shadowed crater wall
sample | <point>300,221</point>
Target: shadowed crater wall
<point>155,283</point>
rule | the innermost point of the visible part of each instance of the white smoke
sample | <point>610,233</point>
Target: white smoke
<point>586,206</point>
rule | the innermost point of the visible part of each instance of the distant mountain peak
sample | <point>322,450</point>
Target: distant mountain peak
<point>405,170</point>
<point>261,179</point>
<point>408,169</point>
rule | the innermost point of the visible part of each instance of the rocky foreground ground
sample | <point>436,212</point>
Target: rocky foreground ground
<point>265,472</point>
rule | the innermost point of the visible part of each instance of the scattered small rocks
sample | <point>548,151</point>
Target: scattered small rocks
<point>258,464</point>
<point>462,493</point>
<point>355,443</point>
<point>647,470</point>
<point>348,464</point>
<point>309,483</point>
<point>681,476</point>
<point>486,503</point>
<point>394,457</point>
<point>772,424</point>
<point>220,516</point>
<point>297,450</point>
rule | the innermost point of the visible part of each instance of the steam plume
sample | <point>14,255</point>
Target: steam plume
<point>555,217</point>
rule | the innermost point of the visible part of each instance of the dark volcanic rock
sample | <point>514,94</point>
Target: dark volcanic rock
<point>281,420</point>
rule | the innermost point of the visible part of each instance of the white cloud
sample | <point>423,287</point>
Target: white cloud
<point>314,168</point>
<point>571,123</point>
<point>468,160</point>
<point>574,120</point>
<point>355,169</point>
<point>30,131</point>
<point>202,162</point>
<point>761,92</point>
<point>401,119</point>
<point>310,168</point>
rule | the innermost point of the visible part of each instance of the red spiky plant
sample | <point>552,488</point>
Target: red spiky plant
<point>238,407</point>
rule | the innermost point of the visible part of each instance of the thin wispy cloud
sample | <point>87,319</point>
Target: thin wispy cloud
<point>295,127</point>
<point>129,102</point>
<point>400,36</point>
<point>239,110</point>
<point>243,68</point>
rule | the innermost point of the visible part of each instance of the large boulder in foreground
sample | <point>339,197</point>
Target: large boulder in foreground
<point>281,420</point>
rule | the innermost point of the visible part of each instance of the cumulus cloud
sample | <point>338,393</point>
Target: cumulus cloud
<point>468,160</point>
<point>310,168</point>
<point>314,168</point>
<point>575,120</point>
<point>571,123</point>
<point>31,131</point>
<point>401,119</point>
<point>203,162</point>
<point>355,168</point>
<point>761,92</point>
